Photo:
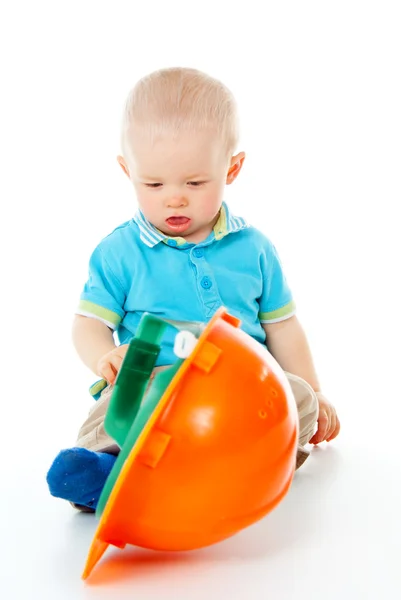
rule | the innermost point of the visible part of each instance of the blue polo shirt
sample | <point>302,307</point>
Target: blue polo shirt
<point>138,269</point>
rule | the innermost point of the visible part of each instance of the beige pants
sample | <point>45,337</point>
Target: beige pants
<point>93,436</point>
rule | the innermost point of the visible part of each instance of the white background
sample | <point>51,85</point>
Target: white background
<point>318,87</point>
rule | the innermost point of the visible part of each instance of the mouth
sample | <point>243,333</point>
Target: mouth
<point>178,224</point>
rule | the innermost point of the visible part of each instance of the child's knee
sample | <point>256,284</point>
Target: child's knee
<point>307,405</point>
<point>92,434</point>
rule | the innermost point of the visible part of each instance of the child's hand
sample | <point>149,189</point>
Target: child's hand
<point>109,365</point>
<point>328,422</point>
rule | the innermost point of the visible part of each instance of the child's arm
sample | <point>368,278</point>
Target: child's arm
<point>286,341</point>
<point>92,340</point>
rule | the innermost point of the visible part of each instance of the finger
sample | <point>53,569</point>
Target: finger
<point>324,424</point>
<point>330,430</point>
<point>316,438</point>
<point>322,428</point>
<point>329,425</point>
<point>116,361</point>
<point>108,372</point>
<point>336,431</point>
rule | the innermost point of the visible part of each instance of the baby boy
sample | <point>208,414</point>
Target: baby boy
<point>182,256</point>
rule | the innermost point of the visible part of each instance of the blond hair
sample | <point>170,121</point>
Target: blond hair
<point>180,99</point>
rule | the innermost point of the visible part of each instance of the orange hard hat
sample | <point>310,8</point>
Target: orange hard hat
<point>211,454</point>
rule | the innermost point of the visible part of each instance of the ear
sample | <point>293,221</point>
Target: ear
<point>123,165</point>
<point>235,167</point>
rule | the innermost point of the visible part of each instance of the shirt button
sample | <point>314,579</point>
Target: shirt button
<point>206,283</point>
<point>198,252</point>
<point>171,242</point>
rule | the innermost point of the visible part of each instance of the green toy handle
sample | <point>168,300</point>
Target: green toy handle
<point>133,377</point>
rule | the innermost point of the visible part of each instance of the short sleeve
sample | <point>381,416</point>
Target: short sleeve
<point>276,302</point>
<point>103,296</point>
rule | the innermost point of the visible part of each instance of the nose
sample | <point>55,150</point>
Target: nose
<point>177,201</point>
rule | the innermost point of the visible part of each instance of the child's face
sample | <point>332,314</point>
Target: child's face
<point>180,182</point>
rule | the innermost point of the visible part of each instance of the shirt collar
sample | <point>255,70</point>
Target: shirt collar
<point>226,224</point>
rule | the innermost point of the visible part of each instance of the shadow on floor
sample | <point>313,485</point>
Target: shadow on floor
<point>289,524</point>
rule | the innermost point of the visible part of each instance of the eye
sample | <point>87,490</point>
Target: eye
<point>196,183</point>
<point>153,185</point>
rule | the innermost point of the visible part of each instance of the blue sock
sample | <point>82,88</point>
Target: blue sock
<point>78,475</point>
